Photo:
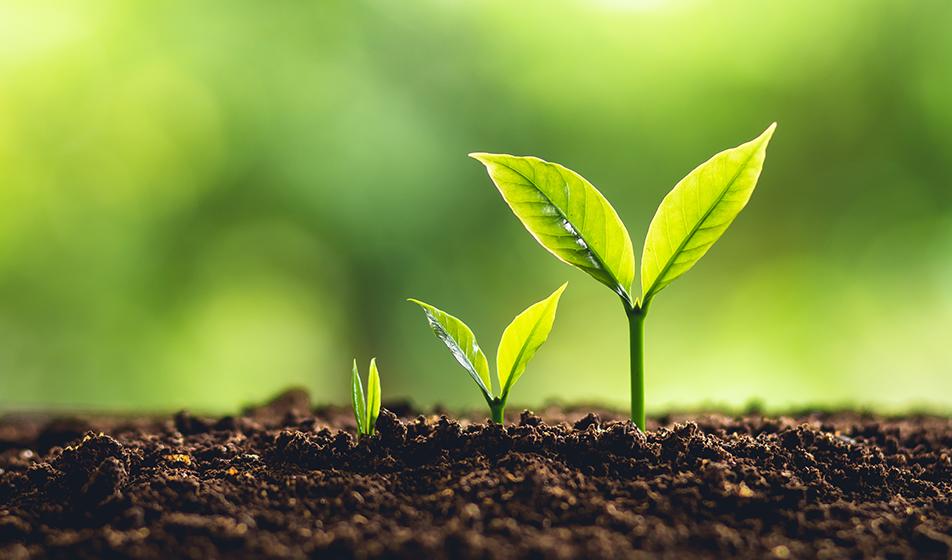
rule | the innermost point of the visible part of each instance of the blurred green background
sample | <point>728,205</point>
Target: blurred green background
<point>204,202</point>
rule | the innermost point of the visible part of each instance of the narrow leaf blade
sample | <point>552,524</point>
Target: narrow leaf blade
<point>567,215</point>
<point>523,337</point>
<point>373,396</point>
<point>357,393</point>
<point>462,344</point>
<point>698,210</point>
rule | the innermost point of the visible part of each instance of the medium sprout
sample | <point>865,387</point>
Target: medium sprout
<point>519,343</point>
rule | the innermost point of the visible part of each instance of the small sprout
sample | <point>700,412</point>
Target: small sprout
<point>366,409</point>
<point>572,220</point>
<point>519,343</point>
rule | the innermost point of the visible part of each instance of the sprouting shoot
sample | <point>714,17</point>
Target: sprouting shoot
<point>366,409</point>
<point>519,343</point>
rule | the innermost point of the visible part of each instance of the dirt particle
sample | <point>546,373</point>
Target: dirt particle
<point>178,458</point>
<point>589,420</point>
<point>780,551</point>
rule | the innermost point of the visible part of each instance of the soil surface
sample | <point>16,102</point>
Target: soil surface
<point>285,481</point>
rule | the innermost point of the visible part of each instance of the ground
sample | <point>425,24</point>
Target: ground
<point>286,481</point>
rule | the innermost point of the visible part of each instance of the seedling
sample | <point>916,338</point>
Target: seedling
<point>519,343</point>
<point>366,410</point>
<point>574,222</point>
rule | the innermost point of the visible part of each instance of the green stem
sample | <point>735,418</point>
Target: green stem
<point>498,410</point>
<point>636,332</point>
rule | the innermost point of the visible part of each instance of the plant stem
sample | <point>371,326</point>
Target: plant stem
<point>636,332</point>
<point>498,408</point>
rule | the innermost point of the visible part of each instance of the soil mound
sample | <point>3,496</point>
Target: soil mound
<point>283,481</point>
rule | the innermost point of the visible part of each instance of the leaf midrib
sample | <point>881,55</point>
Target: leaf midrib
<point>649,293</point>
<point>472,369</point>
<point>601,261</point>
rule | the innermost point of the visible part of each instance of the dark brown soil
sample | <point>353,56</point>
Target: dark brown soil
<point>285,482</point>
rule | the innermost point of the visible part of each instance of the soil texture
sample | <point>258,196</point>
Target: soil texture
<point>286,481</point>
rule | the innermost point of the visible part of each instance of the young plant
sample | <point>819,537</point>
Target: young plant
<point>366,410</point>
<point>519,343</point>
<point>574,222</point>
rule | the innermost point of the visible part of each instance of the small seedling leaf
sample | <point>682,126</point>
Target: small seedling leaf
<point>567,215</point>
<point>462,343</point>
<point>373,397</point>
<point>698,210</point>
<point>357,393</point>
<point>523,337</point>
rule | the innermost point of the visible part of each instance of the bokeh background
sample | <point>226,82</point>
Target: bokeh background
<point>202,203</point>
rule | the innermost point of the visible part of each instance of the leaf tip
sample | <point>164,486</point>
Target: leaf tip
<point>426,307</point>
<point>768,134</point>
<point>490,159</point>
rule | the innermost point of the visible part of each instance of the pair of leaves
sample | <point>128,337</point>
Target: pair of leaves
<point>519,343</point>
<point>366,410</point>
<point>572,220</point>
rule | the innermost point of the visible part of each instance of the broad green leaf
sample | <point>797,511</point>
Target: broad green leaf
<point>357,393</point>
<point>697,211</point>
<point>373,396</point>
<point>524,335</point>
<point>567,216</point>
<point>462,343</point>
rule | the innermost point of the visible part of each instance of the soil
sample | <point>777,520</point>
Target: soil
<point>285,481</point>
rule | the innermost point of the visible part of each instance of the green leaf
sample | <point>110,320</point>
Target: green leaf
<point>697,211</point>
<point>462,343</point>
<point>524,335</point>
<point>567,216</point>
<point>373,397</point>
<point>357,393</point>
